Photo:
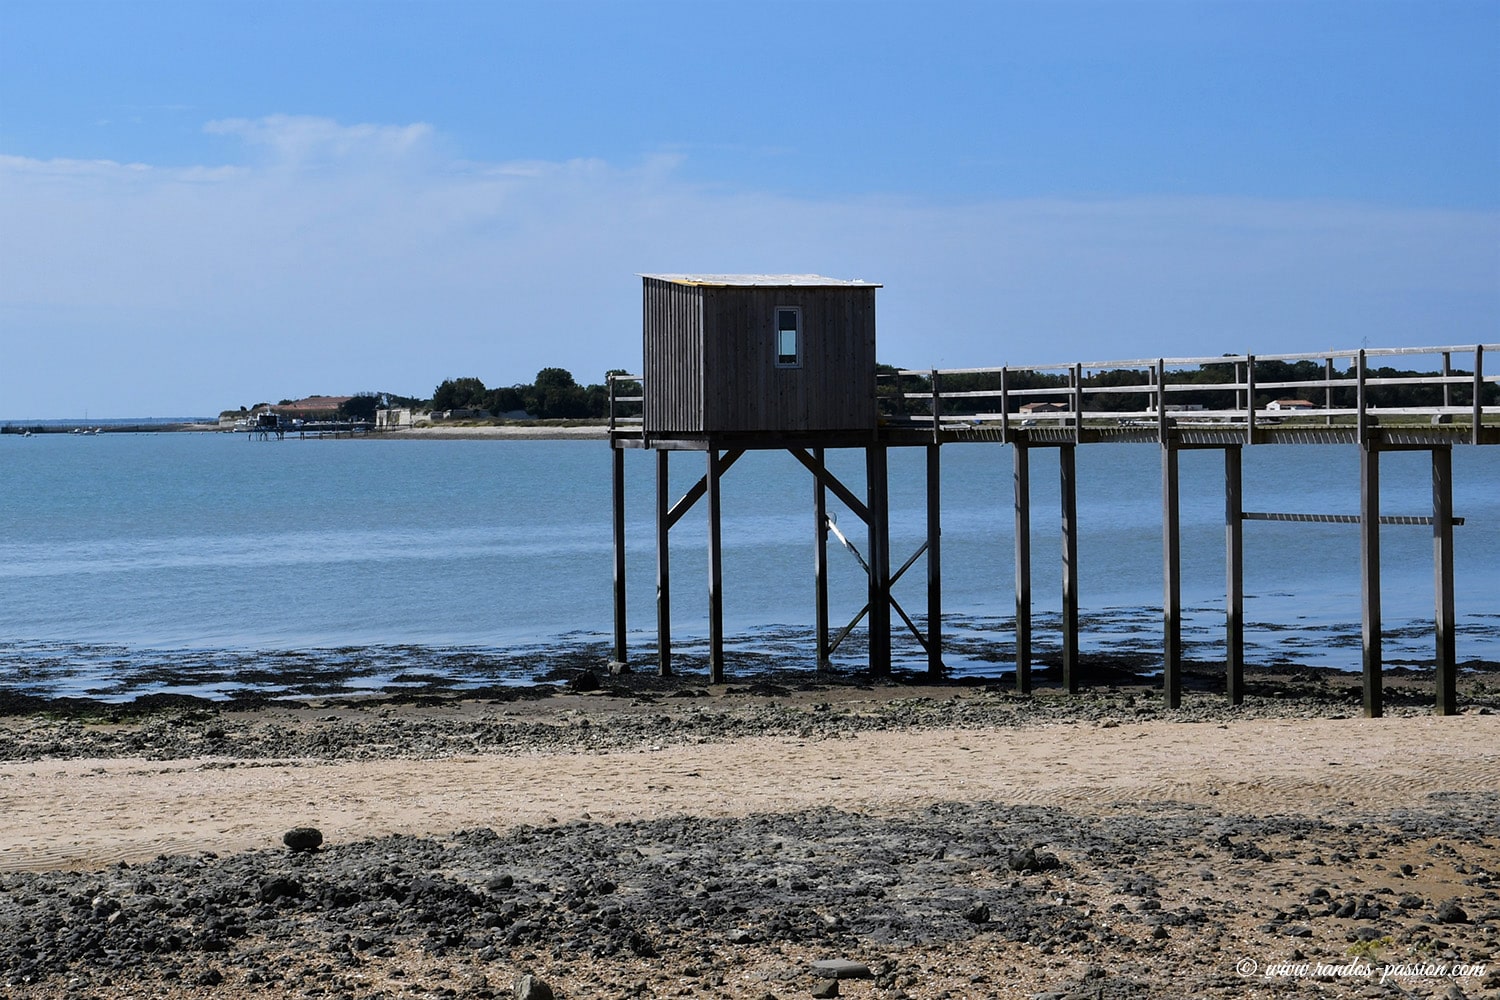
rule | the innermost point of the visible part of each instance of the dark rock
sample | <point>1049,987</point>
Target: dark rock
<point>838,968</point>
<point>528,987</point>
<point>1449,912</point>
<point>828,988</point>
<point>280,887</point>
<point>1031,860</point>
<point>979,913</point>
<point>303,838</point>
<point>586,681</point>
<point>1242,851</point>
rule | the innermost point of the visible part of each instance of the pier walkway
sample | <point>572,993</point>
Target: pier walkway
<point>1438,398</point>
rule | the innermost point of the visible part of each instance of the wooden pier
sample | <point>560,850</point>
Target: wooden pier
<point>280,431</point>
<point>737,363</point>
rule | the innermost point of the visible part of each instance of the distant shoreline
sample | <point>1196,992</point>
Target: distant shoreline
<point>494,432</point>
<point>424,432</point>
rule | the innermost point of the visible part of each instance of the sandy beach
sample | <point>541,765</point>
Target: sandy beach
<point>682,840</point>
<point>495,432</point>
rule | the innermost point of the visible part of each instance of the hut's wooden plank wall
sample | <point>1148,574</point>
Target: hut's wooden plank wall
<point>672,319</point>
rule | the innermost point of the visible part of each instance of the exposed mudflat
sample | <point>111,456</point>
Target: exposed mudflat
<point>639,836</point>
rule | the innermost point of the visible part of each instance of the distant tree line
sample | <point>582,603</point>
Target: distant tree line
<point>556,394</point>
<point>894,388</point>
<point>553,395</point>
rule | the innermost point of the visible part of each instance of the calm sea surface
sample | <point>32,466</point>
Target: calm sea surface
<point>208,552</point>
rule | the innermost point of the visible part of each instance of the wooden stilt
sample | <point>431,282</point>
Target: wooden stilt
<point>1068,477</point>
<point>1477,395</point>
<point>878,502</point>
<point>663,570</point>
<point>1234,582</point>
<point>715,574</point>
<point>617,500</point>
<point>820,563</point>
<point>1171,579</point>
<point>1445,672</point>
<point>934,562</point>
<point>1369,563</point>
<point>1021,491</point>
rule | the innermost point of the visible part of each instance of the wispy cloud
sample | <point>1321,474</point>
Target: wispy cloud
<point>328,257</point>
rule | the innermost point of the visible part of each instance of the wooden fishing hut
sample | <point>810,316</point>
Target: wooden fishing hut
<point>735,362</point>
<point>741,362</point>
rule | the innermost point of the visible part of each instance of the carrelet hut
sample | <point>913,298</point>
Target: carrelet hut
<point>750,355</point>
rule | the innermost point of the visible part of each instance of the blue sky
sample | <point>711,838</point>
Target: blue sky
<point>204,205</point>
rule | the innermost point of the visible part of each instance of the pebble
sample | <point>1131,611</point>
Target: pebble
<point>303,838</point>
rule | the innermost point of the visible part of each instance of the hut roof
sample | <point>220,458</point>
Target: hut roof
<point>763,280</point>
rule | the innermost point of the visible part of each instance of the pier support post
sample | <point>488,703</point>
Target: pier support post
<point>1369,564</point>
<point>715,573</point>
<point>878,502</point>
<point>663,570</point>
<point>934,562</point>
<point>1068,480</point>
<point>1171,680</point>
<point>617,502</point>
<point>1234,578</point>
<point>820,563</point>
<point>1021,492</point>
<point>1445,669</point>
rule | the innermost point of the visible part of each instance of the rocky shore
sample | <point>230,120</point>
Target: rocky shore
<point>1355,869</point>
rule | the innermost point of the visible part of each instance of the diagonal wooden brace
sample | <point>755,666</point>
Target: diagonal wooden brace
<point>844,632</point>
<point>831,482</point>
<point>698,489</point>
<point>921,639</point>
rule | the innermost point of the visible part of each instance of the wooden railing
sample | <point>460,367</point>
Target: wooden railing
<point>1173,392</point>
<point>1331,389</point>
<point>627,400</point>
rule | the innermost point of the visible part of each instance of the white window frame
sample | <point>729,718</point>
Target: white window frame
<point>796,361</point>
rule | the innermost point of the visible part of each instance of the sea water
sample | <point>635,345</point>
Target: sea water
<point>209,553</point>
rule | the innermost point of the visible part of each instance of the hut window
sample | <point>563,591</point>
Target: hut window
<point>788,337</point>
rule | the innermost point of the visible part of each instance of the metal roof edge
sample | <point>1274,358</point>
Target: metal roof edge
<point>761,280</point>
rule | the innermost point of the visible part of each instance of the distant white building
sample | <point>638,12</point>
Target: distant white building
<point>1291,404</point>
<point>390,419</point>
